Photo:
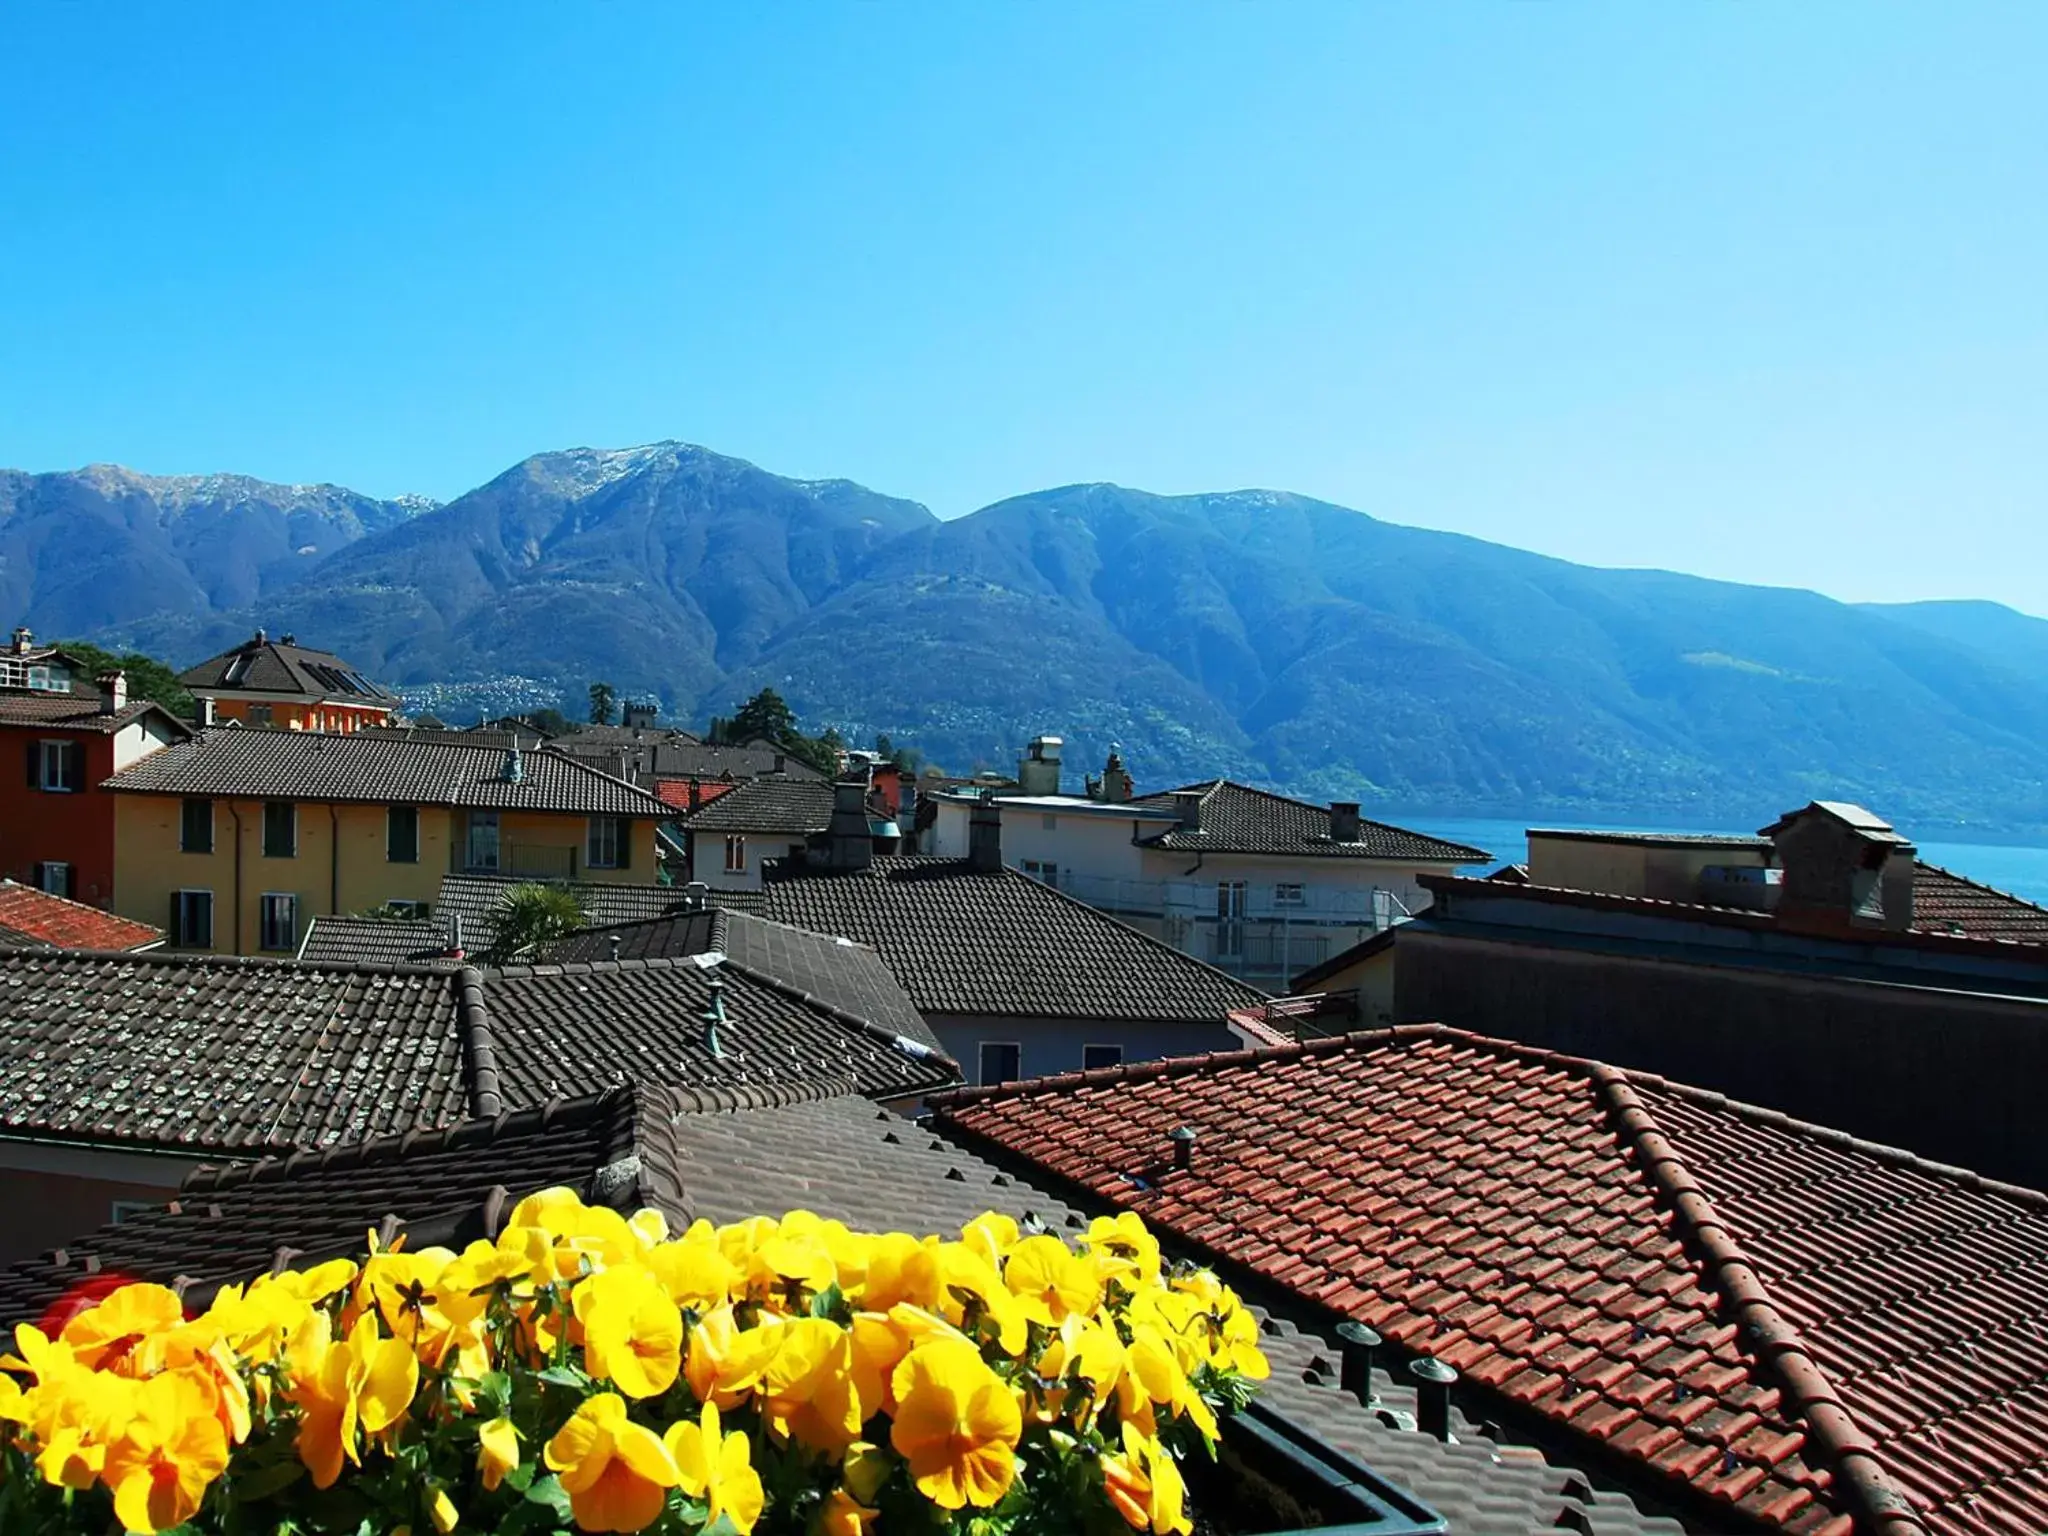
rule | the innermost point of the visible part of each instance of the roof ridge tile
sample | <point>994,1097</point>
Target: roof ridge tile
<point>1858,1472</point>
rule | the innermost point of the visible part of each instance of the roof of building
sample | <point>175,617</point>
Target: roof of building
<point>562,1030</point>
<point>1000,944</point>
<point>458,736</point>
<point>1741,840</point>
<point>177,1051</point>
<point>1945,902</point>
<point>848,976</point>
<point>30,918</point>
<point>79,712</point>
<point>723,1155</point>
<point>1868,823</point>
<point>321,766</point>
<point>1933,940</point>
<point>475,899</point>
<point>287,669</point>
<point>1239,819</point>
<point>773,804</point>
<point>1783,1321</point>
<point>377,941</point>
<point>688,794</point>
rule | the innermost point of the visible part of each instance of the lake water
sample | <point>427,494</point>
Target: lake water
<point>2021,871</point>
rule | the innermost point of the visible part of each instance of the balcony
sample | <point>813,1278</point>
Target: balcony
<point>519,861</point>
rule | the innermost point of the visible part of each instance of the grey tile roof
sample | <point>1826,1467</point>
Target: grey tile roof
<point>560,1031</point>
<point>473,736</point>
<point>376,941</point>
<point>1239,819</point>
<point>218,1054</point>
<point>725,1155</point>
<point>271,666</point>
<point>849,976</point>
<point>778,803</point>
<point>475,898</point>
<point>77,712</point>
<point>315,765</point>
<point>999,944</point>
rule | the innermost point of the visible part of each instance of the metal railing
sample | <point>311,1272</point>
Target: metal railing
<point>521,861</point>
<point>39,675</point>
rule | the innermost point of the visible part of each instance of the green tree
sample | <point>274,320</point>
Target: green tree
<point>148,678</point>
<point>529,917</point>
<point>821,752</point>
<point>764,716</point>
<point>604,701</point>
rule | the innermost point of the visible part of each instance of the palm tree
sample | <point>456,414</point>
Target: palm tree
<point>528,917</point>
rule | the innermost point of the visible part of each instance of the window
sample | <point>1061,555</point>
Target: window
<point>611,842</point>
<point>400,907</point>
<point>1287,895</point>
<point>735,855</point>
<point>1002,1061</point>
<point>280,926</point>
<point>56,766</point>
<point>1094,1057</point>
<point>483,840</point>
<point>54,878</point>
<point>192,919</point>
<point>195,828</point>
<point>1042,870</point>
<point>1230,904</point>
<point>128,1210</point>
<point>402,834</point>
<point>259,714</point>
<point>280,829</point>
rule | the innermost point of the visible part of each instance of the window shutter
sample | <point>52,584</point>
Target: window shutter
<point>176,928</point>
<point>625,835</point>
<point>74,765</point>
<point>35,765</point>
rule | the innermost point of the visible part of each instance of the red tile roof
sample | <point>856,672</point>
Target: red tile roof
<point>1945,902</point>
<point>688,795</point>
<point>1811,1329</point>
<point>38,918</point>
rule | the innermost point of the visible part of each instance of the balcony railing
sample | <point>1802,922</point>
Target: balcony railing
<point>39,675</point>
<point>520,861</point>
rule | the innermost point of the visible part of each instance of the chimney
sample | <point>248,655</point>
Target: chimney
<point>1038,770</point>
<point>288,639</point>
<point>206,711</point>
<point>1116,784</point>
<point>514,771</point>
<point>1844,868</point>
<point>113,692</point>
<point>1895,887</point>
<point>455,949</point>
<point>848,842</point>
<point>260,636</point>
<point>24,641</point>
<point>985,835</point>
<point>1183,1139</point>
<point>696,896</point>
<point>1343,821</point>
<point>1187,805</point>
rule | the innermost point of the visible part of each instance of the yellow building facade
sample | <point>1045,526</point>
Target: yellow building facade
<point>245,876</point>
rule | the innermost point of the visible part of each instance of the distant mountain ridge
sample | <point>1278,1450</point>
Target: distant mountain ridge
<point>1256,633</point>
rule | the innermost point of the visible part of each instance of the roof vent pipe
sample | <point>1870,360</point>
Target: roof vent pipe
<point>1343,821</point>
<point>1359,1344</point>
<point>696,896</point>
<point>1183,1139</point>
<point>615,946</point>
<point>1187,805</point>
<point>713,1016</point>
<point>1433,1381</point>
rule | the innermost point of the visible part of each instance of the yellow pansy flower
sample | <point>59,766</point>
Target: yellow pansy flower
<point>725,1361</point>
<point>1051,1282</point>
<point>717,1468</point>
<point>632,1330</point>
<point>617,1473</point>
<point>497,1451</point>
<point>957,1425</point>
<point>1146,1486</point>
<point>167,1455</point>
<point>363,1382</point>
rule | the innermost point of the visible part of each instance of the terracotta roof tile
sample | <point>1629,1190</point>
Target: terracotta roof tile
<point>1790,1323</point>
<point>32,918</point>
<point>1944,902</point>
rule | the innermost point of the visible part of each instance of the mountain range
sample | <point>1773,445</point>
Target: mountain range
<point>1260,634</point>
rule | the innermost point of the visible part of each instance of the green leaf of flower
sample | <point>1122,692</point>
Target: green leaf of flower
<point>550,1492</point>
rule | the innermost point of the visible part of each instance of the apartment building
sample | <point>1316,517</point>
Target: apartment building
<point>283,685</point>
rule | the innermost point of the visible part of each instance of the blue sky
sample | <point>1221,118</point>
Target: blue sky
<point>1758,291</point>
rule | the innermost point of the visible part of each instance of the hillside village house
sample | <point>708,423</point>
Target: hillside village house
<point>286,686</point>
<point>732,838</point>
<point>1255,883</point>
<point>235,839</point>
<point>69,733</point>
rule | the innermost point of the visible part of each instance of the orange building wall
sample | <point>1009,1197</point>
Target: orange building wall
<point>293,715</point>
<point>38,826</point>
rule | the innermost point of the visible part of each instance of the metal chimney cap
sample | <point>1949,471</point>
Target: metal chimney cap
<point>1183,1134</point>
<point>1359,1334</point>
<point>1435,1372</point>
